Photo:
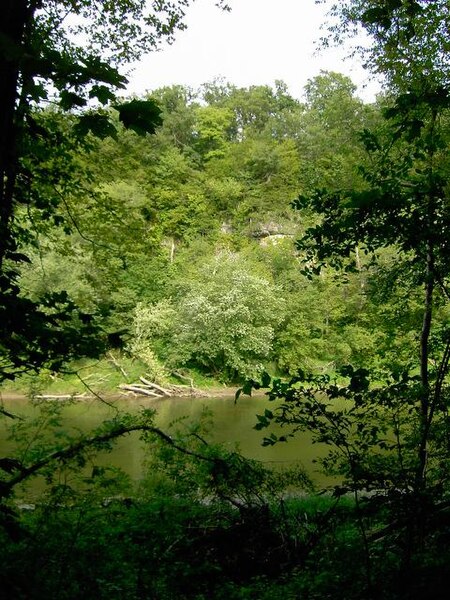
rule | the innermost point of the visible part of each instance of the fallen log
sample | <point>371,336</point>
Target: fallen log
<point>158,388</point>
<point>62,396</point>
<point>139,390</point>
<point>186,390</point>
<point>180,376</point>
<point>149,388</point>
<point>116,364</point>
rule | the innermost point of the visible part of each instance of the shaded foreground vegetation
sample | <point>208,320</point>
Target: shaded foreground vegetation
<point>174,548</point>
<point>204,523</point>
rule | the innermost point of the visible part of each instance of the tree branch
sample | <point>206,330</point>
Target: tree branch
<point>83,444</point>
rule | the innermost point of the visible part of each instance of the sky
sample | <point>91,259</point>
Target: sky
<point>256,43</point>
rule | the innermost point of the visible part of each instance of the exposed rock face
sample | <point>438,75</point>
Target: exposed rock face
<point>264,230</point>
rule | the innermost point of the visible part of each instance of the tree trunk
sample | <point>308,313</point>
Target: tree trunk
<point>15,16</point>
<point>430,279</point>
<point>424,369</point>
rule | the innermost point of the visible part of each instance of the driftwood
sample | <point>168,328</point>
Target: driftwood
<point>117,365</point>
<point>145,387</point>
<point>180,376</point>
<point>137,389</point>
<point>62,396</point>
<point>156,387</point>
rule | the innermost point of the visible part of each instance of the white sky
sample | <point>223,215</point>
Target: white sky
<point>258,42</point>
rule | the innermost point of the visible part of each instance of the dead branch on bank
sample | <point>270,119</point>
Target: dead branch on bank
<point>112,359</point>
<point>145,387</point>
<point>82,396</point>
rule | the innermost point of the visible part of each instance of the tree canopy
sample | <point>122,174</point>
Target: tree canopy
<point>66,55</point>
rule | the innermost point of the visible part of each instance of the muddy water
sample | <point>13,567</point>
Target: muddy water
<point>232,425</point>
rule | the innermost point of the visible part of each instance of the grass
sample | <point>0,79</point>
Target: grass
<point>102,377</point>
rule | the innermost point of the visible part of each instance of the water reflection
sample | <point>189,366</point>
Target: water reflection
<point>232,425</point>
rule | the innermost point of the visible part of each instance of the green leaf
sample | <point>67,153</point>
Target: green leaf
<point>247,388</point>
<point>340,491</point>
<point>377,16</point>
<point>102,93</point>
<point>346,370</point>
<point>69,100</point>
<point>359,381</point>
<point>96,69</point>
<point>19,257</point>
<point>98,125</point>
<point>265,380</point>
<point>38,92</point>
<point>142,116</point>
<point>268,441</point>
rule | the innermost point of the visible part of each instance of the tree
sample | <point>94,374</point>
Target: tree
<point>328,132</point>
<point>405,203</point>
<point>69,54</point>
<point>408,39</point>
<point>226,320</point>
<point>213,126</point>
<point>178,104</point>
<point>256,109</point>
<point>401,209</point>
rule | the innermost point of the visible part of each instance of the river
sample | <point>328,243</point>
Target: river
<point>232,425</point>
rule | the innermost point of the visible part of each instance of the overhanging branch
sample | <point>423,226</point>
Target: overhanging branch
<point>97,440</point>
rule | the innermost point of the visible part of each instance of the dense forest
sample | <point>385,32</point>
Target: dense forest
<point>182,244</point>
<point>225,236</point>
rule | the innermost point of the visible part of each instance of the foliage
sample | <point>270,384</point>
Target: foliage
<point>146,212</point>
<point>67,54</point>
<point>178,247</point>
<point>152,327</point>
<point>204,523</point>
<point>175,536</point>
<point>408,39</point>
<point>226,320</point>
<point>386,429</point>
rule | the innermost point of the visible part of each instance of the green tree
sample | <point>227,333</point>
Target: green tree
<point>388,428</point>
<point>212,130</point>
<point>68,53</point>
<point>405,203</point>
<point>328,132</point>
<point>405,207</point>
<point>409,41</point>
<point>226,320</point>
<point>178,105</point>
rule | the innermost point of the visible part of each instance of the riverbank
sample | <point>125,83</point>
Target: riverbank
<point>107,378</point>
<point>207,393</point>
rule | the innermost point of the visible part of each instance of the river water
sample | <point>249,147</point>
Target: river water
<point>232,425</point>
